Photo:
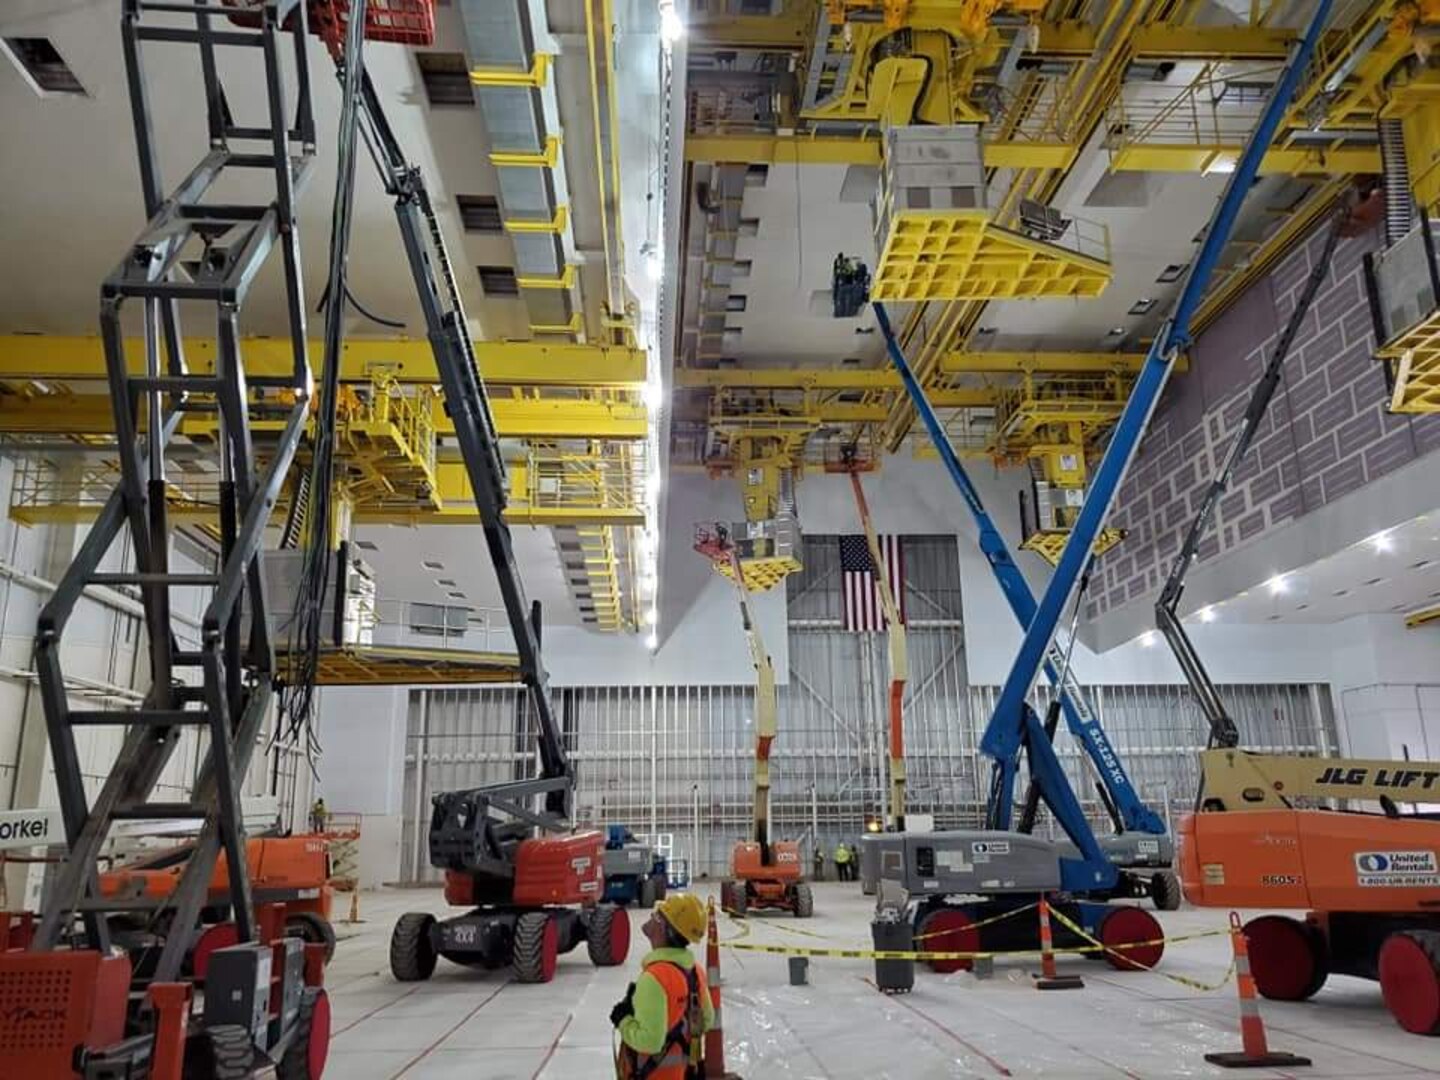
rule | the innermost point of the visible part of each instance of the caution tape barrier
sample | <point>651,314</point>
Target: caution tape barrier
<point>1095,946</point>
<point>784,929</point>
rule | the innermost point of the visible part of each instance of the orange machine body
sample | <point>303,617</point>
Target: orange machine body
<point>772,883</point>
<point>1310,859</point>
<point>292,870</point>
<point>548,870</point>
<point>52,1003</point>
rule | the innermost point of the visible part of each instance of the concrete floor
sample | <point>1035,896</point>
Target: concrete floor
<point>479,1025</point>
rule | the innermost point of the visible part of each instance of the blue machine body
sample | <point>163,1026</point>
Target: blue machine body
<point>1015,726</point>
<point>626,888</point>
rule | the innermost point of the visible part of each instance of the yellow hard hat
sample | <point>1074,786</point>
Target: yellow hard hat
<point>685,913</point>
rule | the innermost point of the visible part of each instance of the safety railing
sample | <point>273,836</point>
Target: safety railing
<point>439,625</point>
<point>1217,110</point>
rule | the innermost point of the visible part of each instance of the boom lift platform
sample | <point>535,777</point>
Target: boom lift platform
<point>765,873</point>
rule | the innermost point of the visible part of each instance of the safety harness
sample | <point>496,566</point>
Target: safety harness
<point>683,1045</point>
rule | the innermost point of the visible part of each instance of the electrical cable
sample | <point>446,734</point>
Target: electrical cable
<point>297,696</point>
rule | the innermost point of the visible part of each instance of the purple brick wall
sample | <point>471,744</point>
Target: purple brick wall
<point>1326,434</point>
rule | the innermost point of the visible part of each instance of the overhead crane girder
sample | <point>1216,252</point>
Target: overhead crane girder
<point>504,363</point>
<point>516,418</point>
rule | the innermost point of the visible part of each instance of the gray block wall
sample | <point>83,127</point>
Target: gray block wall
<point>1327,432</point>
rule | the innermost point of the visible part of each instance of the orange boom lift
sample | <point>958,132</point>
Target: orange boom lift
<point>764,873</point>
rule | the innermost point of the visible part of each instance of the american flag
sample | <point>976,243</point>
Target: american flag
<point>860,589</point>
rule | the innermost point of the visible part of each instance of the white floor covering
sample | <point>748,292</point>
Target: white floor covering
<point>473,1025</point>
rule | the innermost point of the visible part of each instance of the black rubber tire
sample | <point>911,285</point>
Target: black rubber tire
<point>1165,890</point>
<point>739,899</point>
<point>412,954</point>
<point>804,900</point>
<point>232,1052</point>
<point>313,929</point>
<point>662,886</point>
<point>527,956</point>
<point>597,936</point>
<point>295,1065</point>
<point>645,893</point>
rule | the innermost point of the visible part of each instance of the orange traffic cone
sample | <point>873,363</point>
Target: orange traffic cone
<point>1255,1052</point>
<point>715,1037</point>
<point>1049,978</point>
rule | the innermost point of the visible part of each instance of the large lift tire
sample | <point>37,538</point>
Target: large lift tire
<point>607,936</point>
<point>1127,925</point>
<point>645,893</point>
<point>948,930</point>
<point>412,954</point>
<point>306,1055</point>
<point>313,929</point>
<point>537,947</point>
<point>662,886</point>
<point>1287,957</point>
<point>1410,979</point>
<point>232,1052</point>
<point>1165,890</point>
<point>739,898</point>
<point>804,901</point>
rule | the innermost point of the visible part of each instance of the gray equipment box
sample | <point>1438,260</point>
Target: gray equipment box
<point>630,860</point>
<point>1002,856</point>
<point>966,861</point>
<point>237,988</point>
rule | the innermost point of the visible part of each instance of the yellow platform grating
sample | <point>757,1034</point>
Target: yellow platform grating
<point>400,665</point>
<point>1049,543</point>
<point>762,574</point>
<point>1417,371</point>
<point>963,255</point>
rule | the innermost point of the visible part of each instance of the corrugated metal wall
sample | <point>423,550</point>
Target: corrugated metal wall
<point>677,760</point>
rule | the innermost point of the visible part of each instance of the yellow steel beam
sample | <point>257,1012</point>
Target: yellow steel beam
<point>61,513</point>
<point>1034,154</point>
<point>1279,161</point>
<point>1066,363</point>
<point>517,418</point>
<point>884,378</point>
<point>510,363</point>
<point>1169,41</point>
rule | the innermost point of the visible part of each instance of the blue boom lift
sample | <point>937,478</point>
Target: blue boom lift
<point>1002,866</point>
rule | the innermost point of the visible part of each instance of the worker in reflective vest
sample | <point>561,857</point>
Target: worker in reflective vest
<point>843,869</point>
<point>667,1010</point>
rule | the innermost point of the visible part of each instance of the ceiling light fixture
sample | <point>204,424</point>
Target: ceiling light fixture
<point>1207,614</point>
<point>653,395</point>
<point>1277,585</point>
<point>1381,541</point>
<point>652,641</point>
<point>1147,639</point>
<point>672,27</point>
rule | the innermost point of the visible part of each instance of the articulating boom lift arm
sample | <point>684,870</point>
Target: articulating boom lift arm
<point>462,835</point>
<point>1013,717</point>
<point>1223,732</point>
<point>766,707</point>
<point>1080,719</point>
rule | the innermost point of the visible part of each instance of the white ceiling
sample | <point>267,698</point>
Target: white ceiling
<point>1396,572</point>
<point>72,194</point>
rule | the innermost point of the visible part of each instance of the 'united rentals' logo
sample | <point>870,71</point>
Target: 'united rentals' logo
<point>1396,869</point>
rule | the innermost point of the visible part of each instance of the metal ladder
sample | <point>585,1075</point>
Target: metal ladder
<point>203,255</point>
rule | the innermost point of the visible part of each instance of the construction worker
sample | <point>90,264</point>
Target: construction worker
<point>843,865</point>
<point>319,816</point>
<point>819,874</point>
<point>667,1010</point>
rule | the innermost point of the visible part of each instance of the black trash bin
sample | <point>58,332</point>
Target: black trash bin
<point>893,935</point>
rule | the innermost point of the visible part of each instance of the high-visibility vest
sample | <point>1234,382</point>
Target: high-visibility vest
<point>683,1053</point>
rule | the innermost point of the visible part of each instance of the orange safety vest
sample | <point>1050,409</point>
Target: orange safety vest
<point>681,1057</point>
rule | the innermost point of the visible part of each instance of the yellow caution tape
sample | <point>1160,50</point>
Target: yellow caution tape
<point>1118,950</point>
